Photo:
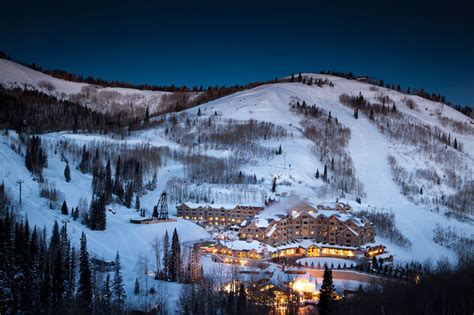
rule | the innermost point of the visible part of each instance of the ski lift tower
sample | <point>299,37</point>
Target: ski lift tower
<point>162,207</point>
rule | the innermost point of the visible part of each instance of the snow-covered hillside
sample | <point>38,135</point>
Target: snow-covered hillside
<point>104,99</point>
<point>206,135</point>
<point>369,150</point>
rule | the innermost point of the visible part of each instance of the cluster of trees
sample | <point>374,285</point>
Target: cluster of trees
<point>32,111</point>
<point>124,184</point>
<point>450,237</point>
<point>443,291</point>
<point>214,132</point>
<point>456,125</point>
<point>171,262</point>
<point>180,191</point>
<point>330,138</point>
<point>49,276</point>
<point>424,185</point>
<point>210,297</point>
<point>384,222</point>
<point>413,91</point>
<point>398,126</point>
<point>172,259</point>
<point>461,201</point>
<point>4,199</point>
<point>35,158</point>
<point>310,80</point>
<point>212,170</point>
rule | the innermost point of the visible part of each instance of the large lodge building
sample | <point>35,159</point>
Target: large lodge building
<point>325,225</point>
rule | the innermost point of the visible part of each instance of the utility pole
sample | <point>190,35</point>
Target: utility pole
<point>19,182</point>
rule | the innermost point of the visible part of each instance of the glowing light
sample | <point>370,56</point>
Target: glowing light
<point>303,285</point>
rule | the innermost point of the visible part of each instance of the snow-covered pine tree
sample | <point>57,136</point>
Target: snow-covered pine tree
<point>175,257</point>
<point>67,173</point>
<point>166,256</point>
<point>84,293</point>
<point>137,202</point>
<point>326,292</point>
<point>64,209</point>
<point>118,291</point>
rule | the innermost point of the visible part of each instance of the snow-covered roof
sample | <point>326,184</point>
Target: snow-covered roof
<point>341,216</point>
<point>227,206</point>
<point>271,231</point>
<point>247,245</point>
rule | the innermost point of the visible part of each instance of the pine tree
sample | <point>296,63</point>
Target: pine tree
<point>136,290</point>
<point>326,292</point>
<point>128,196</point>
<point>84,293</point>
<point>242,300</point>
<point>118,290</point>
<point>325,174</point>
<point>54,243</point>
<point>107,293</point>
<point>375,264</point>
<point>279,151</point>
<point>84,164</point>
<point>98,219</point>
<point>108,185</point>
<point>147,115</point>
<point>356,113</point>
<point>45,290</point>
<point>175,258</point>
<point>166,255</point>
<point>230,303</point>
<point>57,286</point>
<point>300,77</point>
<point>118,187</point>
<point>274,184</point>
<point>67,173</point>
<point>371,116</point>
<point>455,143</point>
<point>64,209</point>
<point>35,157</point>
<point>317,174</point>
<point>199,111</point>
<point>137,203</point>
<point>75,214</point>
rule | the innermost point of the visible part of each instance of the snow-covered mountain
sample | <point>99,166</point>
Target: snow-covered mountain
<point>231,151</point>
<point>100,98</point>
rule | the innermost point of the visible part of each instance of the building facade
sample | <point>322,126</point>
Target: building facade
<point>217,216</point>
<point>333,227</point>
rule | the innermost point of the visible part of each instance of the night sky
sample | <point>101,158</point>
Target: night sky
<point>415,43</point>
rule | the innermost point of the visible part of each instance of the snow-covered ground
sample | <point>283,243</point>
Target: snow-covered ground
<point>131,240</point>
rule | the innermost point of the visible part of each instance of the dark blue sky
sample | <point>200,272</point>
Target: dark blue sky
<point>414,43</point>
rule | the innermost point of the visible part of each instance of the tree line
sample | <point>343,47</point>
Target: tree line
<point>443,291</point>
<point>41,275</point>
<point>435,97</point>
